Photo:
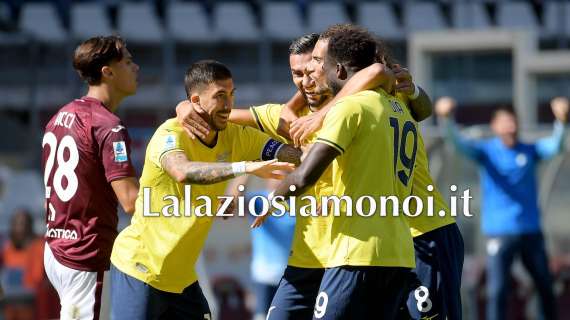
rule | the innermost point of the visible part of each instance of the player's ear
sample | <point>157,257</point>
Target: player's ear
<point>106,71</point>
<point>341,72</point>
<point>194,98</point>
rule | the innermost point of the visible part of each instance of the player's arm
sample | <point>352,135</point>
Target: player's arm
<point>318,159</point>
<point>373,76</point>
<point>549,147</point>
<point>177,165</point>
<point>420,104</point>
<point>290,113</point>
<point>309,172</point>
<point>126,190</point>
<point>196,126</point>
<point>444,108</point>
<point>242,117</point>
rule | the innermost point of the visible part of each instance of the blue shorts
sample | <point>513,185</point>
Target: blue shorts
<point>132,299</point>
<point>296,294</point>
<point>436,280</point>
<point>351,292</point>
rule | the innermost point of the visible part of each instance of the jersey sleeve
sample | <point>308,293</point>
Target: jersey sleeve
<point>253,145</point>
<point>340,125</point>
<point>549,147</point>
<point>165,141</point>
<point>267,119</point>
<point>115,152</point>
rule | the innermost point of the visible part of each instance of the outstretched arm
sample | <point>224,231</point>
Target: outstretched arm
<point>373,76</point>
<point>551,146</point>
<point>444,108</point>
<point>177,165</point>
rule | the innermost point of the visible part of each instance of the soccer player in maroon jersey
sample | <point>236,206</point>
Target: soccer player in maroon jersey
<point>87,172</point>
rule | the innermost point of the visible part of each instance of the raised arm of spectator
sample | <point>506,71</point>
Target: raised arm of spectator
<point>551,146</point>
<point>444,108</point>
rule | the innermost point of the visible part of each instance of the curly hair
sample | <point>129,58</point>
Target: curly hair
<point>350,45</point>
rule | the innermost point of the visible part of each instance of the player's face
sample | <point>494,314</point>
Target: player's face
<point>298,63</point>
<point>217,100</point>
<point>505,125</point>
<point>125,73</point>
<point>316,86</point>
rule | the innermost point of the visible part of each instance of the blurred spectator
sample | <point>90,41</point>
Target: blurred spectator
<point>22,272</point>
<point>510,213</point>
<point>270,251</point>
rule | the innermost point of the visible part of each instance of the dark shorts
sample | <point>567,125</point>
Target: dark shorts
<point>296,294</point>
<point>132,299</point>
<point>436,280</point>
<point>361,293</point>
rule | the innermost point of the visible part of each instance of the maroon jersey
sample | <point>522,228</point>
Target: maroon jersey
<point>85,147</point>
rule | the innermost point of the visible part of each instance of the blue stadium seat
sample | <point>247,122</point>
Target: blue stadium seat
<point>188,22</point>
<point>89,20</point>
<point>41,20</point>
<point>516,15</point>
<point>423,16</point>
<point>379,18</point>
<point>324,14</point>
<point>470,15</point>
<point>139,23</point>
<point>282,21</point>
<point>234,21</point>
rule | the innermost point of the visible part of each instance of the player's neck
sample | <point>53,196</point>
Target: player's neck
<point>106,95</point>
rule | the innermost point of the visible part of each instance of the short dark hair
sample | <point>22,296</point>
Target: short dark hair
<point>503,109</point>
<point>303,44</point>
<point>204,72</point>
<point>350,45</point>
<point>384,54</point>
<point>95,53</point>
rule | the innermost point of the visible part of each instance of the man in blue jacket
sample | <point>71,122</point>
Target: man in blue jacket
<point>510,213</point>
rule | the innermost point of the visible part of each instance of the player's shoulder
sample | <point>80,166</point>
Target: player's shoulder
<point>171,125</point>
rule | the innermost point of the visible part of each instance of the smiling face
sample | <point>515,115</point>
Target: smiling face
<point>215,100</point>
<point>315,82</point>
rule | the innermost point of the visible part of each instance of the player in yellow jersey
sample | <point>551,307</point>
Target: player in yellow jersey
<point>153,258</point>
<point>369,258</point>
<point>298,288</point>
<point>437,240</point>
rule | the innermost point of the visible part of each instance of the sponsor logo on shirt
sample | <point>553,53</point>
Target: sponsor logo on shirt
<point>61,233</point>
<point>521,160</point>
<point>120,150</point>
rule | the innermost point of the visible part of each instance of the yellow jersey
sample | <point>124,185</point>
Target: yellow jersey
<point>422,179</point>
<point>162,250</point>
<point>309,248</point>
<point>377,141</point>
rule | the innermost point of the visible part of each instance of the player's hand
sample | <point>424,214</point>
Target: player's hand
<point>286,118</point>
<point>258,221</point>
<point>230,210</point>
<point>191,121</point>
<point>303,127</point>
<point>404,81</point>
<point>560,108</point>
<point>270,169</point>
<point>445,106</point>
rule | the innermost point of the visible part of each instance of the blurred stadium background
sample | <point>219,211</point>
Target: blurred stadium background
<point>483,53</point>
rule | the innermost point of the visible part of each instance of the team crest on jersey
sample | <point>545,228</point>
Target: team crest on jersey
<point>169,142</point>
<point>120,150</point>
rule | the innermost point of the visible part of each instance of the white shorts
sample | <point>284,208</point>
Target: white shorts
<point>79,291</point>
